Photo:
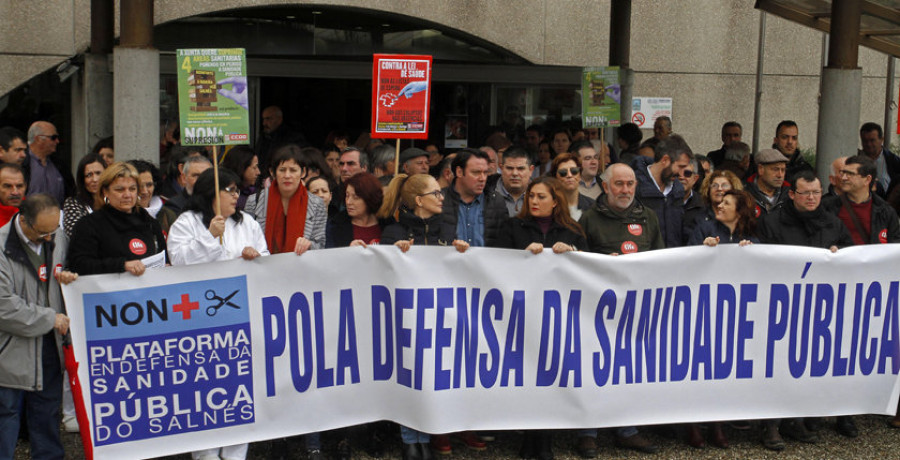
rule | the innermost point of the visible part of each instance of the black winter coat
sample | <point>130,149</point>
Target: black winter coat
<point>694,210</point>
<point>714,228</point>
<point>818,229</point>
<point>339,231</point>
<point>105,239</point>
<point>885,224</point>
<point>669,209</point>
<point>519,233</point>
<point>423,232</point>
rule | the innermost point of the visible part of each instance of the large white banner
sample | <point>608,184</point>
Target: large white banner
<point>207,355</point>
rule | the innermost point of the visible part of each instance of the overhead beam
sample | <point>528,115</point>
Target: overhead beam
<point>874,41</point>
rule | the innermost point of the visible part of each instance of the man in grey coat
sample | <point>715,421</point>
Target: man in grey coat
<point>32,324</point>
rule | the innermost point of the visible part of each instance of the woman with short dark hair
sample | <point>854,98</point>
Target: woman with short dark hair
<point>357,224</point>
<point>292,219</point>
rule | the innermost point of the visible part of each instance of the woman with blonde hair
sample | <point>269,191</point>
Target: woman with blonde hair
<point>416,202</point>
<point>120,236</point>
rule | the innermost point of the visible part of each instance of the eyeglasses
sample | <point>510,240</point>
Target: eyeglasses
<point>232,190</point>
<point>809,193</point>
<point>54,137</point>
<point>719,186</point>
<point>437,194</point>
<point>43,236</point>
<point>565,172</point>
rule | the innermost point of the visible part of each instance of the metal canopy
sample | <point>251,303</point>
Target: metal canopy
<point>879,26</point>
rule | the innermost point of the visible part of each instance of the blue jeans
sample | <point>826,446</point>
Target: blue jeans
<point>411,436</point>
<point>41,408</point>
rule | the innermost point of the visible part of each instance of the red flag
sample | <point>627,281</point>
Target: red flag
<point>80,413</point>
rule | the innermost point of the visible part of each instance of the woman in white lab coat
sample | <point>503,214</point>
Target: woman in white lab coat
<point>195,238</point>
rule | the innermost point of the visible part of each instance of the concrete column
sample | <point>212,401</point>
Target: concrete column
<point>838,117</point>
<point>92,105</point>
<point>620,52</point>
<point>136,103</point>
<point>841,89</point>
<point>136,79</point>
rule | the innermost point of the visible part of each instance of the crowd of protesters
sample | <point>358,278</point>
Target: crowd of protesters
<point>558,189</point>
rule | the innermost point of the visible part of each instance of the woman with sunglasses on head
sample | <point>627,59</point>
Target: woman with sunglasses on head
<point>212,229</point>
<point>566,168</point>
<point>416,202</point>
<point>120,236</point>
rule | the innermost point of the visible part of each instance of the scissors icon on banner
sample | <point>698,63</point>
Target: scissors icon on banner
<point>213,309</point>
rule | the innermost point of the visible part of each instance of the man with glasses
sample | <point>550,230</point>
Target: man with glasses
<point>768,188</point>
<point>800,222</point>
<point>693,203</point>
<point>33,327</point>
<point>44,176</point>
<point>657,188</point>
<point>868,218</point>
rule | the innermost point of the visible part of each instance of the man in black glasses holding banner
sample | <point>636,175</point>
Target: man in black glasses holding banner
<point>44,176</point>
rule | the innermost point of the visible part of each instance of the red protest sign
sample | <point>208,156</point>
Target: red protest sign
<point>401,93</point>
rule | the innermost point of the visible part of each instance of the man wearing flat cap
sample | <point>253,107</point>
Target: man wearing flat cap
<point>414,161</point>
<point>768,187</point>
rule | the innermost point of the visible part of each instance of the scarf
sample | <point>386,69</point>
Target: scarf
<point>282,231</point>
<point>6,213</point>
<point>812,221</point>
<point>245,193</point>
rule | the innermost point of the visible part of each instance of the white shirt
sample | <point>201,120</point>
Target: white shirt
<point>190,242</point>
<point>36,247</point>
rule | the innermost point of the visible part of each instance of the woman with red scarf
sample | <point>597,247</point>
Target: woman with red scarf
<point>292,219</point>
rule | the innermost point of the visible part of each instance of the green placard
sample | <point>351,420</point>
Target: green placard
<point>600,97</point>
<point>212,96</point>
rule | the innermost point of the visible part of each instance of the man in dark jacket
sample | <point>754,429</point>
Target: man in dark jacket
<point>275,133</point>
<point>768,187</point>
<point>887,165</point>
<point>694,208</point>
<point>657,188</point>
<point>619,224</point>
<point>731,134</point>
<point>786,141</point>
<point>802,222</point>
<point>476,218</point>
<point>868,218</point>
